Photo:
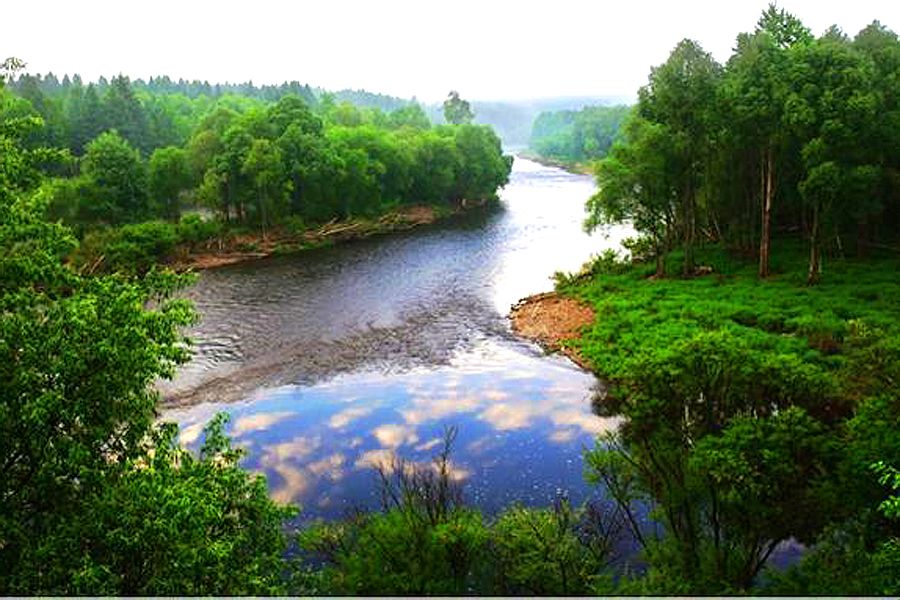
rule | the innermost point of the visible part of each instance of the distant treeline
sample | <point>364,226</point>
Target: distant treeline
<point>158,112</point>
<point>577,136</point>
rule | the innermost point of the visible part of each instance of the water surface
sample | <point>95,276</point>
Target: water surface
<point>338,359</point>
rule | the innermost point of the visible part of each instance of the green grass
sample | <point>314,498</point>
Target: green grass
<point>848,326</point>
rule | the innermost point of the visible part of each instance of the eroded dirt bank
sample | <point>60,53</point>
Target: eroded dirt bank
<point>551,320</point>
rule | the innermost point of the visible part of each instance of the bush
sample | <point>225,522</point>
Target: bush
<point>172,524</point>
<point>138,247</point>
<point>554,551</point>
<point>195,230</point>
<point>423,542</point>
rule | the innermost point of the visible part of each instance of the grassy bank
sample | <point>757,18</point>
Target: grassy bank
<point>839,326</point>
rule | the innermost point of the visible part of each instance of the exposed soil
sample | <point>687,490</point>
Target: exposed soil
<point>551,320</point>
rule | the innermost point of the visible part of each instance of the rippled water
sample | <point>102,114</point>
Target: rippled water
<point>333,360</point>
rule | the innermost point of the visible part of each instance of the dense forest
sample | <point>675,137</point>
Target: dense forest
<point>141,154</point>
<point>750,341</point>
<point>573,137</point>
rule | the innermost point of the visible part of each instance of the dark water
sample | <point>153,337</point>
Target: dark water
<point>332,361</point>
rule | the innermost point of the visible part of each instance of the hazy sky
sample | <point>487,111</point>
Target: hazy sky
<point>485,49</point>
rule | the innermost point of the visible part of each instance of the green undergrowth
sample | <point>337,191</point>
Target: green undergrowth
<point>846,328</point>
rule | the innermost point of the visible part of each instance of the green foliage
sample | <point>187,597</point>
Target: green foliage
<point>169,177</point>
<point>556,551</point>
<point>456,110</point>
<point>577,136</point>
<point>170,524</point>
<point>96,498</point>
<point>116,181</point>
<point>424,542</point>
<point>752,412</point>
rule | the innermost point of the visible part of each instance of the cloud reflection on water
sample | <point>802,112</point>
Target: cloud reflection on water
<point>522,418</point>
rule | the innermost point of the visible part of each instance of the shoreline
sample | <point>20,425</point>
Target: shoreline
<point>551,320</point>
<point>248,247</point>
<point>577,168</point>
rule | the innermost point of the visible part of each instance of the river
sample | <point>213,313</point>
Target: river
<point>334,360</point>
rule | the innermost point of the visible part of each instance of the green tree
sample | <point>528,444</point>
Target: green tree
<point>117,180</point>
<point>456,110</point>
<point>681,95</point>
<point>169,178</point>
<point>96,498</point>
<point>755,88</point>
<point>633,184</point>
<point>264,167</point>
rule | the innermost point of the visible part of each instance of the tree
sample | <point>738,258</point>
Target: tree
<point>681,96</point>
<point>456,110</point>
<point>831,106</point>
<point>728,447</point>
<point>264,167</point>
<point>124,113</point>
<point>94,497</point>
<point>118,181</point>
<point>409,116</point>
<point>755,87</point>
<point>169,177</point>
<point>634,184</point>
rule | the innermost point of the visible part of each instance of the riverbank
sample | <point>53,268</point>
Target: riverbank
<point>244,247</point>
<point>195,243</point>
<point>576,168</point>
<point>551,321</point>
<point>845,327</point>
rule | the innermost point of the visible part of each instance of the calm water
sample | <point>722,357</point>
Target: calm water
<point>333,361</point>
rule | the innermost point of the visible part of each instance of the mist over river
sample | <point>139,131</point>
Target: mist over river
<point>334,360</point>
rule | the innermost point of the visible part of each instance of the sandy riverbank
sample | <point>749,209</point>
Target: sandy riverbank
<point>551,320</point>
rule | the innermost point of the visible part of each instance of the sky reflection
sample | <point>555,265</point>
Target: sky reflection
<point>523,420</point>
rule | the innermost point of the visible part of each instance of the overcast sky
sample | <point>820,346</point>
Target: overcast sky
<point>486,49</point>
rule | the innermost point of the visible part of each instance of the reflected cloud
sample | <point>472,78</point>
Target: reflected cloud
<point>496,395</point>
<point>191,433</point>
<point>348,415</point>
<point>563,436</point>
<point>330,466</point>
<point>295,483</point>
<point>430,444</point>
<point>505,416</point>
<point>373,459</point>
<point>299,448</point>
<point>588,422</point>
<point>427,408</point>
<point>258,422</point>
<point>394,436</point>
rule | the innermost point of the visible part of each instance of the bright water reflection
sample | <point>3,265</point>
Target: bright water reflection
<point>523,422</point>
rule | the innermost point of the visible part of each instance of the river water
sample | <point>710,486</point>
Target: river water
<point>335,360</point>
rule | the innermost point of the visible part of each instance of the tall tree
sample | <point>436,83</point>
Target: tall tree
<point>681,95</point>
<point>118,181</point>
<point>456,110</point>
<point>755,89</point>
<point>169,177</point>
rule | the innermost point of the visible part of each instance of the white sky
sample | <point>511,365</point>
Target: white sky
<point>485,49</point>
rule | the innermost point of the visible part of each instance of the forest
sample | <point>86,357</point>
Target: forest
<point>576,137</point>
<point>144,161</point>
<point>749,339</point>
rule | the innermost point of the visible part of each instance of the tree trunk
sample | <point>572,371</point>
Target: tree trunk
<point>660,259</point>
<point>815,267</point>
<point>768,190</point>
<point>690,228</point>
